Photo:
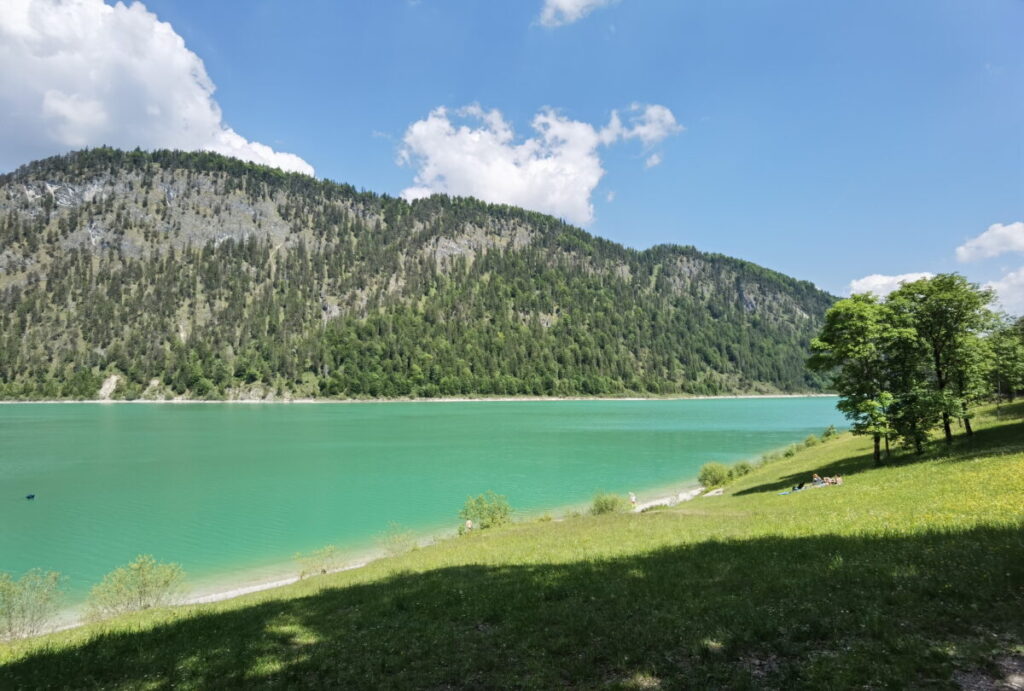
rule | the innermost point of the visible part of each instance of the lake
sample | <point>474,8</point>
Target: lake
<point>233,491</point>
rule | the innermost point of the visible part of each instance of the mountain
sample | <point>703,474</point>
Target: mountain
<point>200,276</point>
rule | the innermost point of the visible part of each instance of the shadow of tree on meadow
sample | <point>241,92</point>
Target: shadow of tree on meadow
<point>800,612</point>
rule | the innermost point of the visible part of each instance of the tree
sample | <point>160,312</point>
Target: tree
<point>1006,345</point>
<point>854,346</point>
<point>948,314</point>
<point>28,603</point>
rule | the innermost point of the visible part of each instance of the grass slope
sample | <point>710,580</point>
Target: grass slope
<point>907,575</point>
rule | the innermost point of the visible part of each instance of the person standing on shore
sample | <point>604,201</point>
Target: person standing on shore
<point>632,500</point>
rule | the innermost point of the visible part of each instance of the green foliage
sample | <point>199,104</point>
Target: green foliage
<point>829,433</point>
<point>713,474</point>
<point>319,561</point>
<point>142,584</point>
<point>903,364</point>
<point>396,540</point>
<point>365,296</point>
<point>740,469</point>
<point>27,604</point>
<point>608,503</point>
<point>487,510</point>
<point>811,440</point>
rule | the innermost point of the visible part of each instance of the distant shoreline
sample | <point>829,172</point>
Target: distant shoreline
<point>462,399</point>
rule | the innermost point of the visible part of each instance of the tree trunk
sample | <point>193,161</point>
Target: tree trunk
<point>967,426</point>
<point>940,380</point>
<point>887,454</point>
<point>878,450</point>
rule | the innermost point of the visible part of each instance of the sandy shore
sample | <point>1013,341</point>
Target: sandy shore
<point>217,596</point>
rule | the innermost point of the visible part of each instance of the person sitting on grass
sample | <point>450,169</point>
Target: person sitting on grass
<point>818,482</point>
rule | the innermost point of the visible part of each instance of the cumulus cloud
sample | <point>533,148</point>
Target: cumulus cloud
<point>1010,291</point>
<point>82,73</point>
<point>882,285</point>
<point>560,12</point>
<point>998,239</point>
<point>652,160</point>
<point>555,171</point>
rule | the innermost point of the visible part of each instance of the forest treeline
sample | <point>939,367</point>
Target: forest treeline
<point>201,276</point>
<point>918,359</point>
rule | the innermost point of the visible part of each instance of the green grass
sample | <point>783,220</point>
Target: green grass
<point>911,574</point>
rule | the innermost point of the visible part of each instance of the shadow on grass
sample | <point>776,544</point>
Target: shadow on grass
<point>999,438</point>
<point>802,612</point>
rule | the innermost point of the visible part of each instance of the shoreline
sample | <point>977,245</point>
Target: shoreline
<point>219,590</point>
<point>462,399</point>
<point>200,596</point>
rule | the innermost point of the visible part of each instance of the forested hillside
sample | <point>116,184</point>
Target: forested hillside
<point>196,275</point>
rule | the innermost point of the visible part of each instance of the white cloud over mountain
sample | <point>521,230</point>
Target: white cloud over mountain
<point>555,171</point>
<point>82,73</point>
<point>560,12</point>
<point>881,285</point>
<point>998,239</point>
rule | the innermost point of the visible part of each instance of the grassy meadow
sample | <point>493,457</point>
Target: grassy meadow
<point>910,574</point>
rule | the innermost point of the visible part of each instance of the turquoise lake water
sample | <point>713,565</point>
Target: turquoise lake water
<point>227,489</point>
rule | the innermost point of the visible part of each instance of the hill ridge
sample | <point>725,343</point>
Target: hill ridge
<point>222,278</point>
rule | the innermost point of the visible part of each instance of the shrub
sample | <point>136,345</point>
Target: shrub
<point>395,540</point>
<point>713,474</point>
<point>811,440</point>
<point>488,510</point>
<point>789,452</point>
<point>142,584</point>
<point>740,469</point>
<point>607,503</point>
<point>319,561</point>
<point>829,432</point>
<point>28,603</point>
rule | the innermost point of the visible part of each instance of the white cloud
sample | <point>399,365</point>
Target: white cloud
<point>652,160</point>
<point>1010,291</point>
<point>555,171</point>
<point>82,73</point>
<point>998,239</point>
<point>560,12</point>
<point>610,197</point>
<point>882,285</point>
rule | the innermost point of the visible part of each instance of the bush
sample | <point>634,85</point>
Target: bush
<point>395,540</point>
<point>488,510</point>
<point>829,432</point>
<point>319,561</point>
<point>811,440</point>
<point>142,584</point>
<point>789,452</point>
<point>740,469</point>
<point>608,503</point>
<point>713,474</point>
<point>27,604</point>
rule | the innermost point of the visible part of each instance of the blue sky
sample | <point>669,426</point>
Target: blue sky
<point>827,140</point>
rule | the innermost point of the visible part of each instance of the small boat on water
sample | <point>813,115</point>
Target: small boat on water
<point>30,496</point>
